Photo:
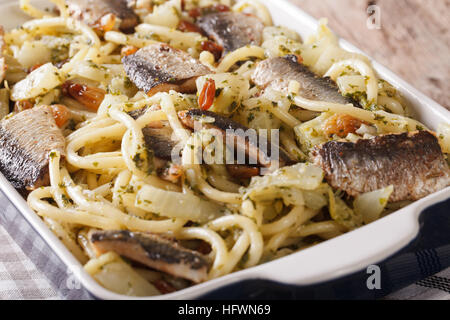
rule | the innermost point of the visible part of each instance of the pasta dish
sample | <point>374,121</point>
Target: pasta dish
<point>171,142</point>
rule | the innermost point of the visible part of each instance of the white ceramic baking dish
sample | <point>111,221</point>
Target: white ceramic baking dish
<point>332,259</point>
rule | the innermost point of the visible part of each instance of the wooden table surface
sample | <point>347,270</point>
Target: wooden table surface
<point>414,39</point>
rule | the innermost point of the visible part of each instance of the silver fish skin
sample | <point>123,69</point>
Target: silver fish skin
<point>232,30</point>
<point>158,136</point>
<point>161,68</point>
<point>153,251</point>
<point>26,140</point>
<point>412,162</point>
<point>160,140</point>
<point>91,11</point>
<point>276,73</point>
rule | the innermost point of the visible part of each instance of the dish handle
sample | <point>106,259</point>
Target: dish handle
<point>426,255</point>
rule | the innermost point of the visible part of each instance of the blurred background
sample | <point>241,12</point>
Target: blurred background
<point>413,39</point>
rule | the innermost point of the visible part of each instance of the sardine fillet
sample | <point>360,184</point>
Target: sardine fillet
<point>232,30</point>
<point>91,11</point>
<point>276,73</point>
<point>412,162</point>
<point>160,141</point>
<point>153,251</point>
<point>26,140</point>
<point>160,67</point>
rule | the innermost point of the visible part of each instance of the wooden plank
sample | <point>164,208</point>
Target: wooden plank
<point>413,41</point>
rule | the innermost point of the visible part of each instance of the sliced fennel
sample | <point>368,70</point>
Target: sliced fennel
<point>279,46</point>
<point>116,275</point>
<point>310,134</point>
<point>166,14</point>
<point>318,198</point>
<point>38,82</point>
<point>290,196</point>
<point>342,213</point>
<point>351,84</point>
<point>231,89</point>
<point>32,53</point>
<point>301,176</point>
<point>177,205</point>
<point>443,134</point>
<point>279,31</point>
<point>370,205</point>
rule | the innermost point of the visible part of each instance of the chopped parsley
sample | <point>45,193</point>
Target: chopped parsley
<point>250,117</point>
<point>218,92</point>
